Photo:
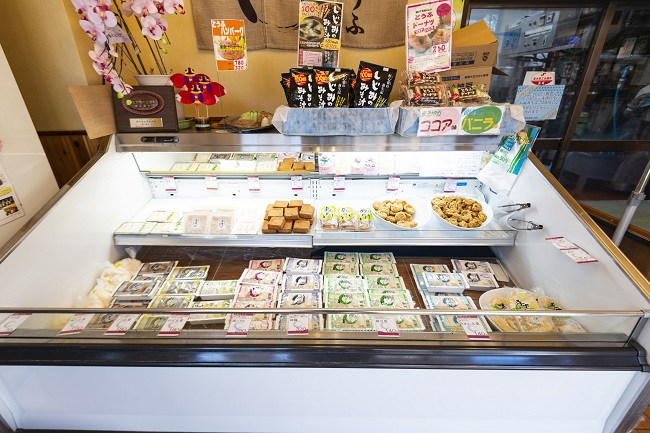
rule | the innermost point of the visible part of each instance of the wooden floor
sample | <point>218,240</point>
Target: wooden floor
<point>643,425</point>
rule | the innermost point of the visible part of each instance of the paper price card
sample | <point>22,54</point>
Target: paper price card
<point>12,323</point>
<point>483,120</point>
<point>77,324</point>
<point>473,327</point>
<point>339,183</point>
<point>170,183</point>
<point>229,40</point>
<point>393,183</point>
<point>576,253</point>
<point>450,185</point>
<point>319,33</point>
<point>122,324</point>
<point>386,326</point>
<point>211,183</point>
<point>298,324</point>
<point>296,182</point>
<point>428,36</point>
<point>254,184</point>
<point>239,325</point>
<point>174,325</point>
<point>439,121</point>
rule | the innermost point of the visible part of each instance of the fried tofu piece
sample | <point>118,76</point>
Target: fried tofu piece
<point>301,226</point>
<point>298,166</point>
<point>276,212</point>
<point>287,227</point>
<point>306,212</point>
<point>281,203</point>
<point>310,166</point>
<point>266,229</point>
<point>291,213</point>
<point>295,203</point>
<point>276,223</point>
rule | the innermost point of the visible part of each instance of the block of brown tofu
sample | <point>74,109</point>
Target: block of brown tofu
<point>288,161</point>
<point>301,226</point>
<point>276,223</point>
<point>295,203</point>
<point>310,166</point>
<point>306,211</point>
<point>281,203</point>
<point>275,212</point>
<point>285,166</point>
<point>287,227</point>
<point>291,213</point>
<point>298,166</point>
<point>266,229</point>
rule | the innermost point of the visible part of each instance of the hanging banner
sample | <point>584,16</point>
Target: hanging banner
<point>229,40</point>
<point>319,33</point>
<point>428,36</point>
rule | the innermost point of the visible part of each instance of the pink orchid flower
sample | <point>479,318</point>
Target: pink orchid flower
<point>101,13</point>
<point>127,7</point>
<point>81,6</point>
<point>94,32</point>
<point>102,60</point>
<point>144,7</point>
<point>118,84</point>
<point>174,6</point>
<point>154,26</point>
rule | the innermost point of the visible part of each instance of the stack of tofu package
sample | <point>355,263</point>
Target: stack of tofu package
<point>442,289</point>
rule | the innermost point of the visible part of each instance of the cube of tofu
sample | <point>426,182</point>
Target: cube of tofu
<point>306,212</point>
<point>276,223</point>
<point>295,203</point>
<point>276,212</point>
<point>266,229</point>
<point>291,213</point>
<point>310,166</point>
<point>301,226</point>
<point>287,227</point>
<point>285,166</point>
<point>298,166</point>
<point>281,203</point>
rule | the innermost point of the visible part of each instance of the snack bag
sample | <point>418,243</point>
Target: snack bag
<point>471,94</point>
<point>346,218</point>
<point>500,174</point>
<point>426,94</point>
<point>328,217</point>
<point>331,88</point>
<point>363,220</point>
<point>373,86</point>
<point>301,88</point>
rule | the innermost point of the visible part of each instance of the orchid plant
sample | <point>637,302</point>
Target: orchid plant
<point>115,47</point>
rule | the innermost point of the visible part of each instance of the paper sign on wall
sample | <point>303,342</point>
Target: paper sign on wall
<point>439,121</point>
<point>540,102</point>
<point>10,207</point>
<point>319,33</point>
<point>428,36</point>
<point>229,40</point>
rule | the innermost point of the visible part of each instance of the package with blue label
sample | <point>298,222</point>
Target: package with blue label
<point>449,323</point>
<point>345,284</point>
<point>302,282</point>
<point>302,266</point>
<point>447,282</point>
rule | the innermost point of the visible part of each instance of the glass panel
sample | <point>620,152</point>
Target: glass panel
<point>540,40</point>
<point>618,103</point>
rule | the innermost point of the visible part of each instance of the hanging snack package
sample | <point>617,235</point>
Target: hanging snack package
<point>373,86</point>
<point>301,91</point>
<point>331,88</point>
<point>417,77</point>
<point>470,95</point>
<point>285,82</point>
<point>501,172</point>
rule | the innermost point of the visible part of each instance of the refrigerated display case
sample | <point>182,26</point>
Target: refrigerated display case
<point>429,376</point>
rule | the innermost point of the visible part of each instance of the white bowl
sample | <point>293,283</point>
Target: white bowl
<point>486,209</point>
<point>422,212</point>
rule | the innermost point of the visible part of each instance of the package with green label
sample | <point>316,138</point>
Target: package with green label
<point>409,322</point>
<point>349,322</point>
<point>399,300</point>
<point>376,257</point>
<point>163,301</point>
<point>181,287</point>
<point>151,322</point>
<point>217,289</point>
<point>205,319</point>
<point>340,269</point>
<point>378,268</point>
<point>346,300</point>
<point>344,284</point>
<point>332,257</point>
<point>385,282</point>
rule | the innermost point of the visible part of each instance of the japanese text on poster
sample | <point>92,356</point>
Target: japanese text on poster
<point>229,39</point>
<point>484,120</point>
<point>428,36</point>
<point>10,207</point>
<point>319,33</point>
<point>439,121</point>
<point>540,102</point>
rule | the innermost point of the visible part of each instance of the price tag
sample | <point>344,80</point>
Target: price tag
<point>296,182</point>
<point>439,121</point>
<point>239,325</point>
<point>298,324</point>
<point>393,183</point>
<point>174,325</point>
<point>211,182</point>
<point>450,185</point>
<point>122,324</point>
<point>339,183</point>
<point>473,327</point>
<point>170,183</point>
<point>576,253</point>
<point>254,184</point>
<point>12,323</point>
<point>386,326</point>
<point>77,324</point>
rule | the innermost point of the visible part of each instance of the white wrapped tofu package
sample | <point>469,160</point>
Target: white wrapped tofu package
<point>502,170</point>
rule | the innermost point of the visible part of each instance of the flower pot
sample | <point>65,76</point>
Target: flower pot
<point>161,80</point>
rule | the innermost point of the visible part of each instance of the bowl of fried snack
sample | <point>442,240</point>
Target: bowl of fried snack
<point>401,213</point>
<point>456,211</point>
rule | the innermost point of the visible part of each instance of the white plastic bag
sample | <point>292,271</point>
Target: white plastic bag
<point>502,170</point>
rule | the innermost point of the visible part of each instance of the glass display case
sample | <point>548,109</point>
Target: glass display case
<point>385,309</point>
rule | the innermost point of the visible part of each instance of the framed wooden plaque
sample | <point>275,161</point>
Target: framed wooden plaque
<point>146,109</point>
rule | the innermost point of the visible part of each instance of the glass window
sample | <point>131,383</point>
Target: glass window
<point>540,40</point>
<point>618,103</point>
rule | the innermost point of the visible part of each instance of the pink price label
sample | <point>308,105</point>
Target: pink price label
<point>443,10</point>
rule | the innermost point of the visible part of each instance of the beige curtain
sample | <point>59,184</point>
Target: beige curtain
<point>274,23</point>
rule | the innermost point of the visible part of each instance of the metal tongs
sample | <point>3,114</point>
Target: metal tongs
<point>510,208</point>
<point>517,223</point>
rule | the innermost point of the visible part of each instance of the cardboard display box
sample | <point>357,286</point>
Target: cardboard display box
<point>473,56</point>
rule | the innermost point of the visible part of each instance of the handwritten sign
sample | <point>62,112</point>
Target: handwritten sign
<point>122,324</point>
<point>170,183</point>
<point>229,40</point>
<point>484,120</point>
<point>174,325</point>
<point>239,325</point>
<point>211,183</point>
<point>473,327</point>
<point>339,183</point>
<point>393,183</point>
<point>298,324</point>
<point>428,35</point>
<point>576,253</point>
<point>12,323</point>
<point>77,324</point>
<point>296,182</point>
<point>540,102</point>
<point>439,121</point>
<point>386,326</point>
<point>254,184</point>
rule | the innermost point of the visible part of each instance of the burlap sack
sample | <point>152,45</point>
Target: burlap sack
<point>274,23</point>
